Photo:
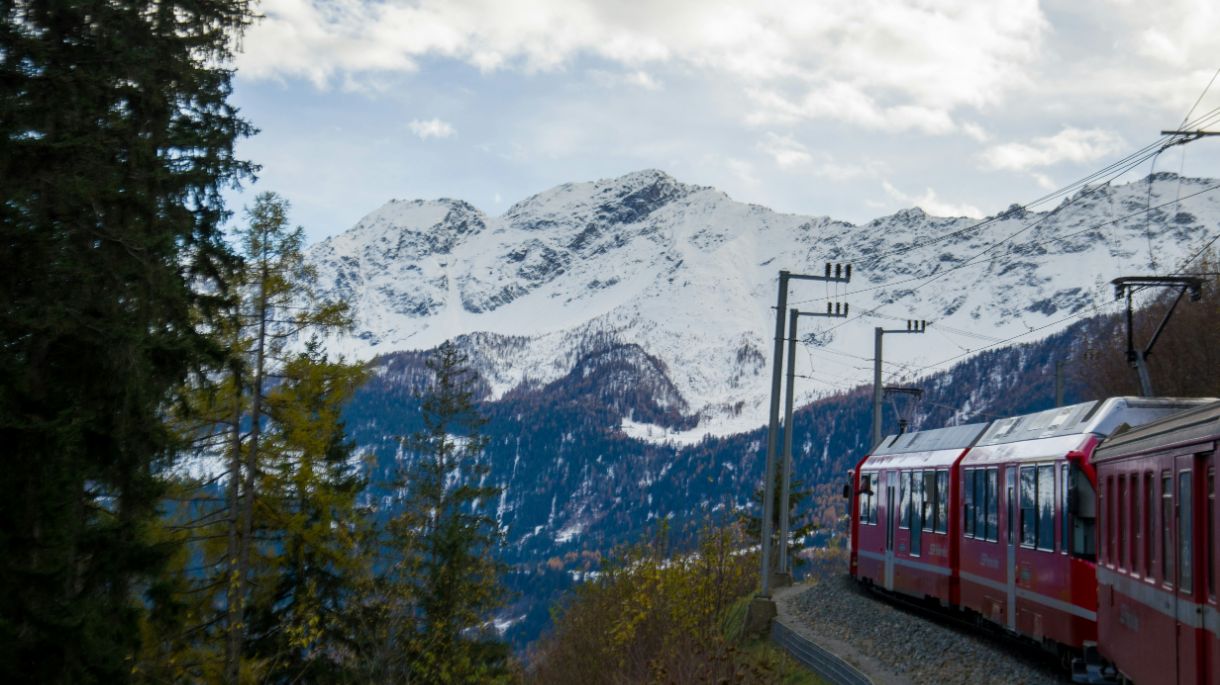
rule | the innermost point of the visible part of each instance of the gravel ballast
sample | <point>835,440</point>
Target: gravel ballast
<point>895,645</point>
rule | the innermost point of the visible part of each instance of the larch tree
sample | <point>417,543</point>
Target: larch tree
<point>275,540</point>
<point>116,141</point>
<point>316,541</point>
<point>278,307</point>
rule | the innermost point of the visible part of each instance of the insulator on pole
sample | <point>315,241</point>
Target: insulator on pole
<point>838,270</point>
<point>827,307</point>
<point>846,305</point>
<point>827,269</point>
<point>849,272</point>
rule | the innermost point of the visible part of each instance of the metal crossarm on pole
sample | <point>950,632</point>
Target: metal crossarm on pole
<point>1128,286</point>
<point>913,326</point>
<point>836,273</point>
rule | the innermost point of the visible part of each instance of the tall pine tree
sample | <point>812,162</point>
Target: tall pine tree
<point>446,538</point>
<point>116,140</point>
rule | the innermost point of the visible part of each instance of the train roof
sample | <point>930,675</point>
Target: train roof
<point>937,447</point>
<point>1097,417</point>
<point>1191,426</point>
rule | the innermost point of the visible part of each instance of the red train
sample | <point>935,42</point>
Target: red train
<point>1004,520</point>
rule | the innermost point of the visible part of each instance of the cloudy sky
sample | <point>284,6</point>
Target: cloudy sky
<point>847,108</point>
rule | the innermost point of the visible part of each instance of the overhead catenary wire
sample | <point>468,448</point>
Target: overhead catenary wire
<point>1113,170</point>
<point>975,261</point>
<point>1110,172</point>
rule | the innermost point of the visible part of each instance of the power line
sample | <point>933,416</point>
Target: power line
<point>1113,170</point>
<point>971,261</point>
<point>1199,99</point>
<point>1077,315</point>
<point>1122,166</point>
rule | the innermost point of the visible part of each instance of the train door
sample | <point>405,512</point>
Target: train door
<point>1187,612</point>
<point>1010,498</point>
<point>891,522</point>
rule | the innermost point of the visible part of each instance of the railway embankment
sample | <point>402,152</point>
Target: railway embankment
<point>893,645</point>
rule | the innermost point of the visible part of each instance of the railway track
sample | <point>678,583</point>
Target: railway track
<point>895,643</point>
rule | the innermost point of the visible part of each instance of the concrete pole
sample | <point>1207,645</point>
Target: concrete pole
<point>781,306</point>
<point>786,460</point>
<point>877,390</point>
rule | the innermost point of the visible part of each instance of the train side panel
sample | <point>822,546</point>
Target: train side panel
<point>1158,619</point>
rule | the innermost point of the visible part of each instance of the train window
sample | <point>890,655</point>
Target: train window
<point>1082,506</point>
<point>992,531</point>
<point>1120,524</point>
<point>1109,502</point>
<point>1146,512</point>
<point>930,502</point>
<point>980,503</point>
<point>1131,546</point>
<point>1167,554</point>
<point>1063,509</point>
<point>1046,507</point>
<point>916,499</point>
<point>1029,505</point>
<point>968,503</point>
<point>1211,532</point>
<point>866,497</point>
<point>1185,533</point>
<point>904,508</point>
<point>874,497</point>
<point>942,501</point>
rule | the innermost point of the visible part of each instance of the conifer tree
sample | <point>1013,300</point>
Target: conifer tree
<point>314,538</point>
<point>278,306</point>
<point>446,538</point>
<point>276,540</point>
<point>116,141</point>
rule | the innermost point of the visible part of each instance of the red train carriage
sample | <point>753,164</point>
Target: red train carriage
<point>903,535</point>
<point>1157,614</point>
<point>1024,563</point>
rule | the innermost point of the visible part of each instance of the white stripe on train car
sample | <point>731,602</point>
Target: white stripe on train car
<point>1031,596</point>
<point>917,565</point>
<point>1163,600</point>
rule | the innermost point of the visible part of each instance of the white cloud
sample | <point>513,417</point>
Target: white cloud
<point>792,155</point>
<point>787,152</point>
<point>877,63</point>
<point>1069,145</point>
<point>932,204</point>
<point>432,128</point>
<point>975,131</point>
<point>638,79</point>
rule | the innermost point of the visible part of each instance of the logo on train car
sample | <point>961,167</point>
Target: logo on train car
<point>988,561</point>
<point>1128,617</point>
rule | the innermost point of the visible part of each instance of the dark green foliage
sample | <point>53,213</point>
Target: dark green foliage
<point>316,538</point>
<point>115,143</point>
<point>445,539</point>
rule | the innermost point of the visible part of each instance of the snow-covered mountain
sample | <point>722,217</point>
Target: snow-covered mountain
<point>689,275</point>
